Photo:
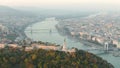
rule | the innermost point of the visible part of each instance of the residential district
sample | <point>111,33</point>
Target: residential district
<point>12,35</point>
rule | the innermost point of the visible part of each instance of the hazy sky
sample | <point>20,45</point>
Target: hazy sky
<point>74,4</point>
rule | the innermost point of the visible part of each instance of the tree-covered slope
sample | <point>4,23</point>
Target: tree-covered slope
<point>15,58</point>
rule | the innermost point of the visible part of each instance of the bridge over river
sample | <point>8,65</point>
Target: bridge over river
<point>41,30</point>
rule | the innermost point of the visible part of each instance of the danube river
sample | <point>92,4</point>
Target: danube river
<point>45,31</point>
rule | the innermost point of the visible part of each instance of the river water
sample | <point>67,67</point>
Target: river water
<point>45,31</point>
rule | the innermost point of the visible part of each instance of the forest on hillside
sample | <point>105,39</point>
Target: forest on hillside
<point>39,58</point>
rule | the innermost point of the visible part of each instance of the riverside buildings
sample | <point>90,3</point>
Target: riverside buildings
<point>100,28</point>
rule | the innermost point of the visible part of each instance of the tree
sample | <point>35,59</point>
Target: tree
<point>34,56</point>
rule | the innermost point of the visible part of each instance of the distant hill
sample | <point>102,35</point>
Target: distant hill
<point>5,10</point>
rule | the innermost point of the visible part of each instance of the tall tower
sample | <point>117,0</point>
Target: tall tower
<point>64,46</point>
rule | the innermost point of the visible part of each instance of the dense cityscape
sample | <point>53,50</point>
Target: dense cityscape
<point>101,27</point>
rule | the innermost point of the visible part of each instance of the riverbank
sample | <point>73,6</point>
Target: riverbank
<point>21,32</point>
<point>84,38</point>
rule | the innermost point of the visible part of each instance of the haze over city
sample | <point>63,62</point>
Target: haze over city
<point>91,5</point>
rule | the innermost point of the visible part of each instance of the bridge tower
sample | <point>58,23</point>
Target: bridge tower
<point>106,46</point>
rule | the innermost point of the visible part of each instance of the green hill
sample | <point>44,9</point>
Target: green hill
<point>14,58</point>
